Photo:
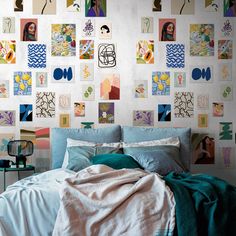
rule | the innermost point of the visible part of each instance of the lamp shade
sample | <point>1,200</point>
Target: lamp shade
<point>20,148</point>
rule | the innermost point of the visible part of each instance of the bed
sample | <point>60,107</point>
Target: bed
<point>119,181</point>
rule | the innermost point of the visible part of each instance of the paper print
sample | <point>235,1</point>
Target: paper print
<point>147,24</point>
<point>106,112</point>
<point>160,83</point>
<point>227,29</point>
<point>64,121</point>
<point>225,49</point>
<point>225,71</point>
<point>7,51</point>
<point>201,74</point>
<point>41,79</point>
<point>45,104</point>
<point>218,109</point>
<point>64,101</point>
<point>164,112</point>
<point>86,71</point>
<point>87,125</point>
<point>18,5</point>
<point>157,5</point>
<point>22,83</point>
<point>140,88</point>
<point>201,40</point>
<point>226,131</point>
<point>212,5</point>
<point>73,5</point>
<point>26,112</point>
<point>8,25</point>
<point>95,8</point>
<point>42,7</point>
<point>202,120</point>
<point>167,29</point>
<point>203,146</point>
<point>88,92</point>
<point>63,74</point>
<point>4,139</point>
<point>4,88</point>
<point>79,109</point>
<point>29,29</point>
<point>106,55</point>
<point>105,30</point>
<point>203,101</point>
<point>227,157</point>
<point>110,87</point>
<point>175,54</point>
<point>184,105</point>
<point>226,92</point>
<point>36,55</point>
<point>143,118</point>
<point>180,79</point>
<point>145,52</point>
<point>229,8</point>
<point>63,40</point>
<point>182,7</point>
<point>7,118</point>
<point>88,28</point>
<point>86,49</point>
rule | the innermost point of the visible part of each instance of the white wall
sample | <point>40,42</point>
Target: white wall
<point>126,31</point>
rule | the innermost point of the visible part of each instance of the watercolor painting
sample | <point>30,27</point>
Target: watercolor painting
<point>7,118</point>
<point>147,24</point>
<point>226,92</point>
<point>201,74</point>
<point>7,51</point>
<point>229,8</point>
<point>29,29</point>
<point>105,30</point>
<point>225,49</point>
<point>226,131</point>
<point>4,88</point>
<point>65,101</point>
<point>184,105</point>
<point>167,29</point>
<point>88,92</point>
<point>4,139</point>
<point>26,112</point>
<point>110,87</point>
<point>179,79</point>
<point>106,55</point>
<point>203,101</point>
<point>203,146</point>
<point>140,88</point>
<point>143,118</point>
<point>225,71</point>
<point>73,5</point>
<point>202,40</point>
<point>95,8</point>
<point>63,40</point>
<point>45,104</point>
<point>218,109</point>
<point>202,120</point>
<point>64,120</point>
<point>160,83</point>
<point>227,28</point>
<point>41,79</point>
<point>175,55</point>
<point>145,52</point>
<point>157,5</point>
<point>42,7</point>
<point>63,74</point>
<point>182,7</point>
<point>106,112</point>
<point>22,83</point>
<point>226,157</point>
<point>86,49</point>
<point>164,112</point>
<point>88,28</point>
<point>8,25</point>
<point>18,5</point>
<point>79,109</point>
<point>86,71</point>
<point>36,55</point>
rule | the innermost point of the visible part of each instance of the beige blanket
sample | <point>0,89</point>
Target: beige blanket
<point>102,201</point>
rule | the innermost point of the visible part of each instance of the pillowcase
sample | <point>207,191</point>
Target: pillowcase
<point>115,161</point>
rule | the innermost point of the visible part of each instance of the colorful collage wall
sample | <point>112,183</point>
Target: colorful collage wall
<point>63,64</point>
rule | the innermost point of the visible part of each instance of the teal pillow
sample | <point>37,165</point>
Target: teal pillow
<point>115,161</point>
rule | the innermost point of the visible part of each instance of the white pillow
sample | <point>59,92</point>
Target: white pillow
<point>76,142</point>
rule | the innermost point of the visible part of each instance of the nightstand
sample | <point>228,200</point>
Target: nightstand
<point>4,170</point>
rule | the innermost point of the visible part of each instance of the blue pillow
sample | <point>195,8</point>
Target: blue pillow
<point>159,159</point>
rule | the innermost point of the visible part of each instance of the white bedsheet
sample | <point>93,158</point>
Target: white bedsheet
<point>29,207</point>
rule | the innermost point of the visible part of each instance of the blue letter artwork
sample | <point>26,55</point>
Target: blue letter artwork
<point>202,74</point>
<point>26,112</point>
<point>175,54</point>
<point>164,112</point>
<point>63,74</point>
<point>37,55</point>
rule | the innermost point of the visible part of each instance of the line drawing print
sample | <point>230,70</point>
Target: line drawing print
<point>106,55</point>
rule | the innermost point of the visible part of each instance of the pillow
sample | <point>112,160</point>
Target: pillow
<point>115,161</point>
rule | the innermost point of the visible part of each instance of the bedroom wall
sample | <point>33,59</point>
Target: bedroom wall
<point>125,17</point>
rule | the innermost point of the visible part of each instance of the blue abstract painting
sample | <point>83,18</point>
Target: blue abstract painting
<point>63,74</point>
<point>175,54</point>
<point>26,112</point>
<point>37,55</point>
<point>164,112</point>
